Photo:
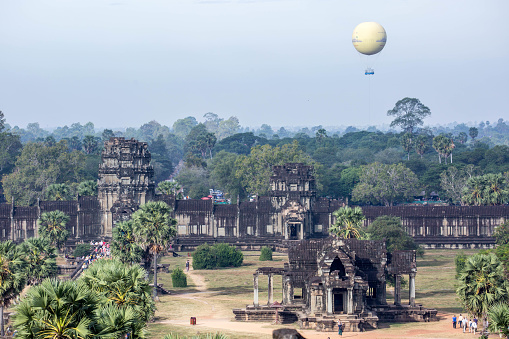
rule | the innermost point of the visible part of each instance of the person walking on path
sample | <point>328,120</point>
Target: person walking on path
<point>464,323</point>
<point>340,327</point>
<point>187,265</point>
<point>454,321</point>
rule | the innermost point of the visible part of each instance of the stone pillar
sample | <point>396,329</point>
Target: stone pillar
<point>286,230</point>
<point>411,291</point>
<point>284,281</point>
<point>329,301</point>
<point>302,230</point>
<point>271,291</point>
<point>255,286</point>
<point>350,300</point>
<point>397,290</point>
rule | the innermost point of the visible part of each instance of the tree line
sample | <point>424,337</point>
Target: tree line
<point>221,154</point>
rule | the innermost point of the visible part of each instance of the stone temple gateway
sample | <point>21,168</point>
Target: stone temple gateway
<point>330,279</point>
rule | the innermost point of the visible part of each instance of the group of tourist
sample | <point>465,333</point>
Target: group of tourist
<point>101,251</point>
<point>464,323</point>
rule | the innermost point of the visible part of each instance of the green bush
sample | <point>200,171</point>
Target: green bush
<point>81,250</point>
<point>266,254</point>
<point>460,261</point>
<point>218,255</point>
<point>178,278</point>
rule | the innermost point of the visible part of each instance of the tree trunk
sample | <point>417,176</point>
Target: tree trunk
<point>408,156</point>
<point>2,330</point>
<point>451,158</point>
<point>439,159</point>
<point>155,276</point>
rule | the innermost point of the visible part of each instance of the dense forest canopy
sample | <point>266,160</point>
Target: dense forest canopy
<point>219,153</point>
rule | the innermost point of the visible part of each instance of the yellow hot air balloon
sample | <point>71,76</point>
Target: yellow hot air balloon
<point>369,38</point>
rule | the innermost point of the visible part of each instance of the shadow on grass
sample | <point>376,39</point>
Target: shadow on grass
<point>435,293</point>
<point>454,310</point>
<point>432,263</point>
<point>231,290</point>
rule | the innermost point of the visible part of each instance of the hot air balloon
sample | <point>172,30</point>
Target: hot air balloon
<point>369,38</point>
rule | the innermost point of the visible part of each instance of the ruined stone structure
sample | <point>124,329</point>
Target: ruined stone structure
<point>125,180</point>
<point>330,279</point>
<point>291,211</point>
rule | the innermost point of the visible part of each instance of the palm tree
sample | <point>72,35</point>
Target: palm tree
<point>473,193</point>
<point>56,309</point>
<point>57,192</point>
<point>88,188</point>
<point>496,189</point>
<point>154,229</point>
<point>406,142</point>
<point>122,285</point>
<point>170,188</point>
<point>421,144</point>
<point>348,223</point>
<point>124,245</point>
<point>40,258</point>
<point>482,284</point>
<point>498,316</point>
<point>114,322</point>
<point>52,227</point>
<point>12,276</point>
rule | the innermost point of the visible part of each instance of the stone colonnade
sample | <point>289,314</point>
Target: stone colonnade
<point>411,289</point>
<point>270,298</point>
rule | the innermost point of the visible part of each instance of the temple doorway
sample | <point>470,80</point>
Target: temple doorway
<point>338,297</point>
<point>294,230</point>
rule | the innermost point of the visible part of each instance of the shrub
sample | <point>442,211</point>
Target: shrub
<point>266,254</point>
<point>218,255</point>
<point>460,261</point>
<point>81,250</point>
<point>178,278</point>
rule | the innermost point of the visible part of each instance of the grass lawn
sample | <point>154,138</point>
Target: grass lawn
<point>233,288</point>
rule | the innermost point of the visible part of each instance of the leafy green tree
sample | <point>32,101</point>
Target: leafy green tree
<point>391,230</point>
<point>182,127</point>
<point>154,228</point>
<point>460,261</point>
<point>227,128</point>
<point>265,254</point>
<point>40,258</point>
<point>10,148</point>
<point>52,227</point>
<point>222,173</point>
<point>81,250</point>
<point>90,144</point>
<point>196,182</point>
<point>348,223</point>
<point>482,284</point>
<point>462,137</point>
<point>501,234</point>
<point>39,166</point>
<point>87,188</point>
<point>161,161</point>
<point>255,170</point>
<point>200,142</point>
<point>122,285</point>
<point>453,181</point>
<point>409,113</point>
<point>124,245</point>
<point>12,276</point>
<point>178,278</point>
<point>218,255</point>
<point>380,183</point>
<point>58,192</point>
<point>107,134</point>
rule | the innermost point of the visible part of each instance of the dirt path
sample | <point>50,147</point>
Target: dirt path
<point>435,330</point>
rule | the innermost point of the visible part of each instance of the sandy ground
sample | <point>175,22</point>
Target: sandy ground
<point>435,330</point>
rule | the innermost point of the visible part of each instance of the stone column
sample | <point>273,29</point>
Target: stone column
<point>397,290</point>
<point>302,230</point>
<point>411,291</point>
<point>255,286</point>
<point>329,300</point>
<point>271,291</point>
<point>349,299</point>
<point>284,281</point>
<point>286,230</point>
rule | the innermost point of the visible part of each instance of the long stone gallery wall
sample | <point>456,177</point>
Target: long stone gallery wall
<point>291,211</point>
<point>256,222</point>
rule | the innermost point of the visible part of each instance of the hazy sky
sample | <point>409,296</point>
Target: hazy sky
<point>282,62</point>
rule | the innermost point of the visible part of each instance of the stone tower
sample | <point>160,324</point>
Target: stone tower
<point>293,194</point>
<point>125,180</point>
